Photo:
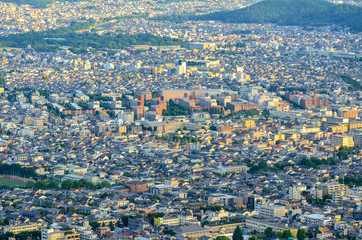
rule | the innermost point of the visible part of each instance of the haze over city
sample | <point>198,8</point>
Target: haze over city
<point>180,119</point>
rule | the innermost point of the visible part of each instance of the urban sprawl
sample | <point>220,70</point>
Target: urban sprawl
<point>247,131</point>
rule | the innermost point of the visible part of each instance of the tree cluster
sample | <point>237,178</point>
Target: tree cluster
<point>315,162</point>
<point>355,85</point>
<point>17,170</point>
<point>151,216</point>
<point>174,109</point>
<point>351,181</point>
<point>32,235</point>
<point>211,208</point>
<point>68,184</point>
<point>52,40</point>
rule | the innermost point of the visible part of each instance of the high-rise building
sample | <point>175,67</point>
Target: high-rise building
<point>181,69</point>
<point>240,75</point>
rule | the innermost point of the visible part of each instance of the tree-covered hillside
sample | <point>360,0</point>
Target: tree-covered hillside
<point>293,12</point>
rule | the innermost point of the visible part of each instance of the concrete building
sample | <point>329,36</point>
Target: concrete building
<point>272,211</point>
<point>137,186</point>
<point>296,190</point>
<point>168,221</point>
<point>330,187</point>
<point>260,225</point>
<point>342,140</point>
<point>161,189</point>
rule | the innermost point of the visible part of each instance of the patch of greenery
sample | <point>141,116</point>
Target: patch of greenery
<point>355,85</point>
<point>151,216</point>
<point>17,170</point>
<point>174,109</point>
<point>315,162</point>
<point>52,40</point>
<point>68,184</point>
<point>211,208</point>
<point>169,231</point>
<point>261,167</point>
<point>33,235</point>
<point>351,181</point>
<point>11,183</point>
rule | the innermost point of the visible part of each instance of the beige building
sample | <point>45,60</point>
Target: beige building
<point>342,140</point>
<point>168,221</point>
<point>22,228</point>
<point>330,187</point>
<point>52,234</point>
<point>272,211</point>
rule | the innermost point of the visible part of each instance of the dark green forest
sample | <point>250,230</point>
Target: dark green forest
<point>294,12</point>
<point>52,40</point>
<point>17,170</point>
<point>285,12</point>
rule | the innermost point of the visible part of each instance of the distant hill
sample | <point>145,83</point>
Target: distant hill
<point>293,12</point>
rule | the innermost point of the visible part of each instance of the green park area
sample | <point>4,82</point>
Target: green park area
<point>11,182</point>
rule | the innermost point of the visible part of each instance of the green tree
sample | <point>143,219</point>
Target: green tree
<point>30,185</point>
<point>67,184</point>
<point>53,184</point>
<point>151,216</point>
<point>94,224</point>
<point>238,234</point>
<point>269,232</point>
<point>169,231</point>
<point>111,226</point>
<point>125,220</point>
<point>301,234</point>
<point>42,184</point>
<point>279,235</point>
<point>287,234</point>
<point>222,238</point>
<point>213,128</point>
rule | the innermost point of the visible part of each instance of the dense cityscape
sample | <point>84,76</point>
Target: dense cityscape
<point>119,123</point>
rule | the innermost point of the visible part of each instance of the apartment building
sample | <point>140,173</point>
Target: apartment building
<point>21,228</point>
<point>272,211</point>
<point>342,140</point>
<point>330,187</point>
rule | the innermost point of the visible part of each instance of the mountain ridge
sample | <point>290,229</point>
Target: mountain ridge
<point>293,12</point>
